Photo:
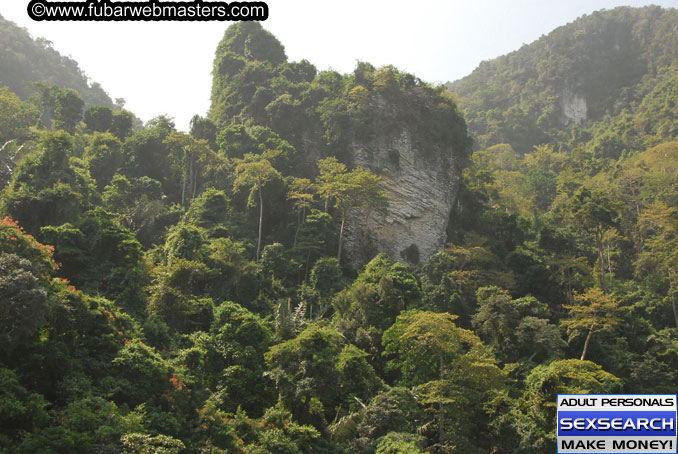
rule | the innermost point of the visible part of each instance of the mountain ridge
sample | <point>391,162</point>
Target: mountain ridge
<point>24,60</point>
<point>590,70</point>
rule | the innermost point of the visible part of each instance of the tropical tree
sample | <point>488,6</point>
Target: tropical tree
<point>47,189</point>
<point>451,370</point>
<point>658,224</point>
<point>255,172</point>
<point>122,124</point>
<point>189,154</point>
<point>137,443</point>
<point>98,118</point>
<point>593,310</point>
<point>534,413</point>
<point>16,116</point>
<point>357,188</point>
<point>302,193</point>
<point>595,212</point>
<point>104,157</point>
<point>68,110</point>
<point>204,129</point>
<point>515,328</point>
<point>317,373</point>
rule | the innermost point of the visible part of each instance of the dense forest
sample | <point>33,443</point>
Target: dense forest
<point>24,61</point>
<point>169,292</point>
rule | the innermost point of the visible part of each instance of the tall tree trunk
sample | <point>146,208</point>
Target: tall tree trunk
<point>190,172</point>
<point>341,235</point>
<point>194,171</point>
<point>366,233</point>
<point>586,342</point>
<point>601,259</point>
<point>441,417</point>
<point>183,185</point>
<point>568,290</point>
<point>300,219</point>
<point>308,259</point>
<point>261,221</point>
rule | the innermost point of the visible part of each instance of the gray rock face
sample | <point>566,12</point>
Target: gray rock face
<point>574,106</point>
<point>422,187</point>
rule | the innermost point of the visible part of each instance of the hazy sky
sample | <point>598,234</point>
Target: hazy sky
<point>165,68</point>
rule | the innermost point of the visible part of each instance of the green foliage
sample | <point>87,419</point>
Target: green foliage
<point>277,267</point>
<point>142,373</point>
<point>371,304</point>
<point>16,117</point>
<point>255,172</point>
<point>24,60</point>
<point>326,277</point>
<point>68,110</point>
<point>147,153</point>
<point>240,340</point>
<point>189,157</point>
<point>204,129</point>
<point>187,242</point>
<point>24,305</point>
<point>536,409</point>
<point>234,275</point>
<point>393,410</point>
<point>516,328</point>
<point>98,118</point>
<point>326,111</point>
<point>104,157</point>
<point>244,62</point>
<point>46,188</point>
<point>101,257</point>
<point>136,443</point>
<point>15,241</point>
<point>210,211</point>
<point>122,124</point>
<point>440,288</point>
<point>140,206</point>
<point>599,61</point>
<point>452,371</point>
<point>593,310</point>
<point>358,188</point>
<point>310,369</point>
<point>21,411</point>
<point>399,443</point>
<point>178,294</point>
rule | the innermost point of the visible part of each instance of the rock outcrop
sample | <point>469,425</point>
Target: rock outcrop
<point>421,188</point>
<point>574,107</point>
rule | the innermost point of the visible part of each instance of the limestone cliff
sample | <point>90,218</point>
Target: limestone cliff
<point>421,188</point>
<point>414,138</point>
<point>574,107</point>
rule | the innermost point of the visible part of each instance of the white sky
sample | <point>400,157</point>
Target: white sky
<point>165,68</point>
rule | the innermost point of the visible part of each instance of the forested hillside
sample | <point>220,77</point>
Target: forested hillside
<point>612,73</point>
<point>24,60</point>
<point>169,292</point>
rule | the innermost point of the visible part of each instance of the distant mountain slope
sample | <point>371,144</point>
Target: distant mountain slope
<point>614,67</point>
<point>24,60</point>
